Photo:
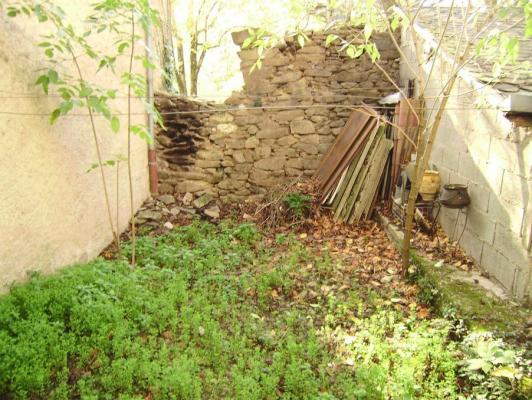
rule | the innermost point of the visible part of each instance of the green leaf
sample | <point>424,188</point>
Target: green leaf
<point>506,372</point>
<point>247,42</point>
<point>368,30</point>
<point>53,76</point>
<point>66,107</point>
<point>115,124</point>
<point>301,40</point>
<point>55,114</point>
<point>85,92</point>
<point>123,46</point>
<point>44,81</point>
<point>49,52</point>
<point>476,364</point>
<point>330,38</point>
<point>395,23</point>
<point>350,52</point>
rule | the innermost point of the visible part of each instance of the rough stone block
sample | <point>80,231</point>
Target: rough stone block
<point>295,163</point>
<point>211,154</point>
<point>313,139</point>
<point>293,171</point>
<point>287,76</point>
<point>285,151</point>
<point>289,115</point>
<point>192,186</point>
<point>302,127</point>
<point>251,142</point>
<point>311,163</point>
<point>165,188</point>
<point>235,144</point>
<point>263,151</point>
<point>272,133</point>
<point>270,164</point>
<point>318,72</point>
<point>311,50</point>
<point>208,163</point>
<point>286,141</point>
<point>306,147</point>
<point>238,156</point>
<point>243,167</point>
<point>323,148</point>
<point>221,118</point>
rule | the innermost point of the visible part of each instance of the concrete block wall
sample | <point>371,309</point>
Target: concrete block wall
<point>479,147</point>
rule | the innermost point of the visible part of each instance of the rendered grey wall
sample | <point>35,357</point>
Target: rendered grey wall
<point>477,146</point>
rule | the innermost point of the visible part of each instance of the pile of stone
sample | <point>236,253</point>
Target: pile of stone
<point>166,211</point>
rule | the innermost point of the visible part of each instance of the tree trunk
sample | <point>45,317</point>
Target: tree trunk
<point>422,161</point>
<point>180,73</point>
<point>194,64</point>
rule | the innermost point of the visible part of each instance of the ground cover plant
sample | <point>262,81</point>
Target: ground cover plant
<point>223,312</point>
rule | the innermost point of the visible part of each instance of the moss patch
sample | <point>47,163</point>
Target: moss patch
<point>448,292</point>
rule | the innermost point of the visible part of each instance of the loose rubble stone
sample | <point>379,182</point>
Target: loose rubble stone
<point>175,211</point>
<point>168,225</point>
<point>202,201</point>
<point>149,215</point>
<point>187,199</point>
<point>213,212</point>
<point>167,199</point>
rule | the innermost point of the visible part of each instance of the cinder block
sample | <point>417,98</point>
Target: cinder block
<point>515,189</point>
<point>493,174</point>
<point>468,168</point>
<point>478,143</point>
<point>480,225</point>
<point>457,178</point>
<point>499,267</point>
<point>509,245</point>
<point>503,153</point>
<point>471,244</point>
<point>507,214</point>
<point>479,195</point>
<point>450,159</point>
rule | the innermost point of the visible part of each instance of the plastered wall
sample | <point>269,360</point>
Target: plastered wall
<point>479,147</point>
<point>52,211</point>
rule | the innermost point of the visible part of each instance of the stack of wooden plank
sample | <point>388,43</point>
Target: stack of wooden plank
<point>351,172</point>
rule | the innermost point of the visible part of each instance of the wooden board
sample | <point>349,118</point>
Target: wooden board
<point>344,149</point>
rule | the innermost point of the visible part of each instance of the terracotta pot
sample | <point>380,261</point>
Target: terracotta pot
<point>430,185</point>
<point>455,196</point>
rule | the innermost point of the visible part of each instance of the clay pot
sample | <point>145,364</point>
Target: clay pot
<point>430,185</point>
<point>455,196</point>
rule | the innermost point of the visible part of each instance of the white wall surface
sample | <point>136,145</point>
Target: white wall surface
<point>52,211</point>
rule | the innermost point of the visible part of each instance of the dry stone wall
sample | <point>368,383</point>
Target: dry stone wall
<point>275,129</point>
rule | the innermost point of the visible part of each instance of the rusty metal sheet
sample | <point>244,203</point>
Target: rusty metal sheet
<point>348,144</point>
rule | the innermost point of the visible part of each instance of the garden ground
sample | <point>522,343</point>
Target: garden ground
<point>229,312</point>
